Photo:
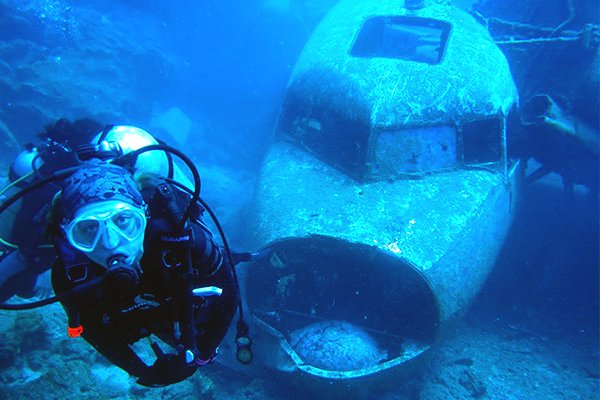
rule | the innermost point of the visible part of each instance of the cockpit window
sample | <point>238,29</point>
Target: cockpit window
<point>409,38</point>
<point>424,150</point>
<point>335,138</point>
<point>415,151</point>
<point>483,141</point>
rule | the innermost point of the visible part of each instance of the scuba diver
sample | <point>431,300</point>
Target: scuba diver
<point>159,276</point>
<point>25,269</point>
<point>135,260</point>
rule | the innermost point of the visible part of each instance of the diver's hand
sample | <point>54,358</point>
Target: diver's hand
<point>167,370</point>
<point>43,285</point>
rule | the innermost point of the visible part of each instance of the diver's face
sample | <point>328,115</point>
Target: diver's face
<point>108,228</point>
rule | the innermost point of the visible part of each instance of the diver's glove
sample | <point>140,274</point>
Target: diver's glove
<point>168,369</point>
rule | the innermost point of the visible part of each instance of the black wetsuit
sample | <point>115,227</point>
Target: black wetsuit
<point>160,304</point>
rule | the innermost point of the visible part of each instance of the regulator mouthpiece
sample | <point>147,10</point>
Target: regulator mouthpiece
<point>121,278</point>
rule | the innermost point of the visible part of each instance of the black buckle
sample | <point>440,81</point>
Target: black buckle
<point>77,272</point>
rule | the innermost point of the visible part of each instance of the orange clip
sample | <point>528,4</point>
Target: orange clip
<point>74,332</point>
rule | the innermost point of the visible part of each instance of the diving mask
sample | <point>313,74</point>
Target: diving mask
<point>111,221</point>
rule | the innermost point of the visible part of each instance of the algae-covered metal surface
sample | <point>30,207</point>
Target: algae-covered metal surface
<point>423,220</point>
<point>355,108</point>
<point>473,79</point>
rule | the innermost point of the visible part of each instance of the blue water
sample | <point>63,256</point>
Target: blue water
<point>225,66</point>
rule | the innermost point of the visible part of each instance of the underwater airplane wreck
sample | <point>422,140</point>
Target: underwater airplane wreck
<point>386,195</point>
